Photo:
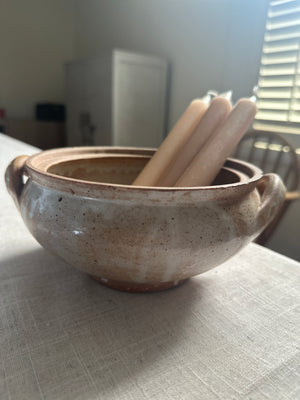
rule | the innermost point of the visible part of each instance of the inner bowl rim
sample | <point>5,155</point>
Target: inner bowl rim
<point>83,152</point>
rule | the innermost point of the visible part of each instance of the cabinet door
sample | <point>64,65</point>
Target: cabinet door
<point>88,86</point>
<point>75,99</point>
<point>139,97</point>
<point>98,99</point>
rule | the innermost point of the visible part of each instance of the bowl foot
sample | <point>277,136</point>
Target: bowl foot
<point>137,287</point>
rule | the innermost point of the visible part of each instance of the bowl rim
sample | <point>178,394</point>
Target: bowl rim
<point>37,166</point>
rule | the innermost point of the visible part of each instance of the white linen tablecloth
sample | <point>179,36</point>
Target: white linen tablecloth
<point>231,333</point>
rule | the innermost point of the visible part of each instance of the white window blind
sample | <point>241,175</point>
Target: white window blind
<point>278,94</point>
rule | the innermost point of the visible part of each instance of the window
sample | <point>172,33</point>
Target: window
<point>278,93</point>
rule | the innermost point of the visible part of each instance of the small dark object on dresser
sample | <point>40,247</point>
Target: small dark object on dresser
<point>50,112</point>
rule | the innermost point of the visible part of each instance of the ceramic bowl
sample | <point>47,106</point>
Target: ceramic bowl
<point>78,203</point>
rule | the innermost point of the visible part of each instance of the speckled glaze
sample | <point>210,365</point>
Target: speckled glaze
<point>138,238</point>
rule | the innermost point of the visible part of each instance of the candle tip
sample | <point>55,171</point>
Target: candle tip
<point>207,98</point>
<point>227,95</point>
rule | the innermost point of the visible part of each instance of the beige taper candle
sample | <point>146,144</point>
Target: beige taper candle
<point>206,165</point>
<point>215,115</point>
<point>168,150</point>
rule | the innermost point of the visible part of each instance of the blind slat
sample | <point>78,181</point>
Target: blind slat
<point>271,60</point>
<point>268,82</point>
<point>273,105</point>
<point>286,35</point>
<point>295,105</point>
<point>282,24</point>
<point>271,94</point>
<point>280,2</point>
<point>284,48</point>
<point>294,116</point>
<point>272,115</point>
<point>278,13</point>
<point>277,71</point>
<point>279,128</point>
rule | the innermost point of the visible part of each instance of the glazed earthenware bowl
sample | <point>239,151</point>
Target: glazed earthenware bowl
<point>78,203</point>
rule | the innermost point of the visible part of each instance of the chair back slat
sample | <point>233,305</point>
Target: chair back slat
<point>252,150</point>
<point>277,161</point>
<point>266,155</point>
<point>288,175</point>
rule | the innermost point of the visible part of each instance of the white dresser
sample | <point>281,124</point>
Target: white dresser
<point>116,99</point>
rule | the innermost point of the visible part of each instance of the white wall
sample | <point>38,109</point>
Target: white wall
<point>211,44</point>
<point>36,37</point>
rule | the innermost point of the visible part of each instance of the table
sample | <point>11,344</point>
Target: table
<point>231,333</point>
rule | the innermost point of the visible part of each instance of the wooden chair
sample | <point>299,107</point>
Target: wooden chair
<point>271,152</point>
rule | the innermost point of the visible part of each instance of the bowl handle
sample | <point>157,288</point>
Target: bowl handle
<point>14,178</point>
<point>272,192</point>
